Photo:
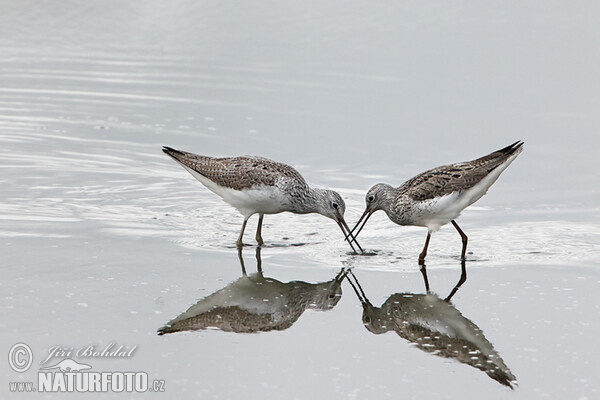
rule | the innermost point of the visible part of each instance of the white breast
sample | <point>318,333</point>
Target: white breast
<point>253,293</point>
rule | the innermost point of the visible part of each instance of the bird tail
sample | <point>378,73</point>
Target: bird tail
<point>186,159</point>
<point>173,152</point>
<point>511,149</point>
<point>500,157</point>
<point>167,329</point>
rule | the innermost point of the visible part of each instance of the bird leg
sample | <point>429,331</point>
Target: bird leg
<point>424,273</point>
<point>258,261</point>
<point>464,240</point>
<point>239,241</point>
<point>259,238</point>
<point>241,261</point>
<point>463,279</point>
<point>424,252</point>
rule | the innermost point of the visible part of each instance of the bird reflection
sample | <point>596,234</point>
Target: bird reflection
<point>254,303</point>
<point>434,326</point>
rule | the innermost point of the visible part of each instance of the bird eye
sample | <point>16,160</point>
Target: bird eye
<point>334,205</point>
<point>370,198</point>
<point>367,320</point>
<point>331,296</point>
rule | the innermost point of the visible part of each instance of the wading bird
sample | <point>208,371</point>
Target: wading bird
<point>257,185</point>
<point>438,196</point>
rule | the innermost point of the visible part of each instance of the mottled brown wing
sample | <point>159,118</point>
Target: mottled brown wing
<point>238,172</point>
<point>455,177</point>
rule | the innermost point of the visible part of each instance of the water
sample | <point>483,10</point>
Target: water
<point>104,239</point>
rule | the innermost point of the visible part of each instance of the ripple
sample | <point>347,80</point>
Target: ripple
<point>114,95</point>
<point>37,218</point>
<point>131,191</point>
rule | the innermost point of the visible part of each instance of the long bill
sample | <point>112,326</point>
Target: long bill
<point>366,215</point>
<point>347,235</point>
<point>361,295</point>
<point>341,275</point>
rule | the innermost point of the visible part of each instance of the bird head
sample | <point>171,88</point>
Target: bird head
<point>377,198</point>
<point>331,205</point>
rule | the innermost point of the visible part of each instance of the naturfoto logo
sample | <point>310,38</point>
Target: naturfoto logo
<point>59,372</point>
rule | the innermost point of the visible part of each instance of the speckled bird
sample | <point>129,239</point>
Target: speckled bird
<point>257,185</point>
<point>434,326</point>
<point>255,303</point>
<point>438,196</point>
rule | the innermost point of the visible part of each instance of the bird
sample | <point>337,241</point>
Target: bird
<point>438,196</point>
<point>255,303</point>
<point>258,185</point>
<point>435,326</point>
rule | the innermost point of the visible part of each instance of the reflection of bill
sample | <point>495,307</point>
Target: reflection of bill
<point>254,303</point>
<point>435,326</point>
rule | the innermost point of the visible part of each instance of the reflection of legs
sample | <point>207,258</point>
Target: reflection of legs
<point>464,240</point>
<point>258,260</point>
<point>239,241</point>
<point>424,252</point>
<point>259,238</point>
<point>424,273</point>
<point>463,279</point>
<point>241,261</point>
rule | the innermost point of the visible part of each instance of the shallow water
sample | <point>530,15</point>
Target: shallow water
<point>105,239</point>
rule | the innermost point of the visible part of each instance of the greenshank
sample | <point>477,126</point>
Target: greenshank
<point>257,185</point>
<point>438,196</point>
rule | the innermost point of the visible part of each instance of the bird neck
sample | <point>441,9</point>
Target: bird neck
<point>387,195</point>
<point>303,291</point>
<point>309,201</point>
<point>312,295</point>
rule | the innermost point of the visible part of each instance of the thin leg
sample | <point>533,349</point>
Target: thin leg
<point>424,273</point>
<point>241,261</point>
<point>424,252</point>
<point>258,260</point>
<point>463,279</point>
<point>464,241</point>
<point>259,238</point>
<point>239,241</point>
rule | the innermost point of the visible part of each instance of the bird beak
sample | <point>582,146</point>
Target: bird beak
<point>357,288</point>
<point>366,215</point>
<point>347,235</point>
<point>341,275</point>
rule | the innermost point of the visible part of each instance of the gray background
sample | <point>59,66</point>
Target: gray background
<point>103,238</point>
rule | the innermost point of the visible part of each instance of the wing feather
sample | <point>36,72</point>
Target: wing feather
<point>446,179</point>
<point>239,173</point>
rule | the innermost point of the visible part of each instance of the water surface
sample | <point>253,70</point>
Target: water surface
<point>104,239</point>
